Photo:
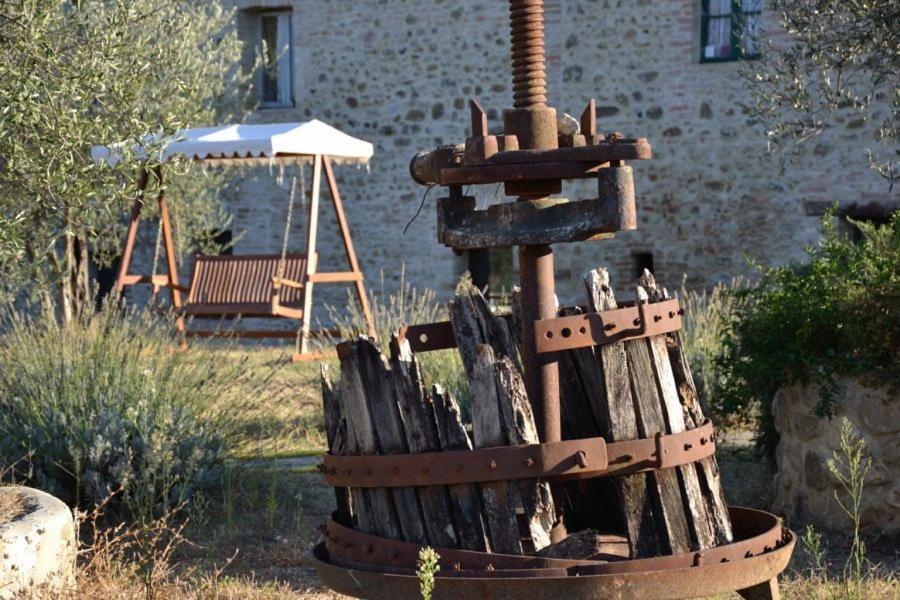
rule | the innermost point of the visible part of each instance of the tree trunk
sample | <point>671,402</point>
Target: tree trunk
<point>74,284</point>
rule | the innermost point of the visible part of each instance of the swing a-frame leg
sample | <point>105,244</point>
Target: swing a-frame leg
<point>170,279</point>
<point>312,276</point>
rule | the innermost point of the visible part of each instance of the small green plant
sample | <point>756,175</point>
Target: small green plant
<point>835,316</point>
<point>706,314</point>
<point>427,568</point>
<point>850,464</point>
<point>811,540</point>
<point>228,499</point>
<point>272,498</point>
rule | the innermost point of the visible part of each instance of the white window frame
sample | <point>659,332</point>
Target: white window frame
<point>285,70</point>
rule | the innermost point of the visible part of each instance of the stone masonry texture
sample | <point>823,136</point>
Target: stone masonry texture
<point>804,485</point>
<point>399,74</point>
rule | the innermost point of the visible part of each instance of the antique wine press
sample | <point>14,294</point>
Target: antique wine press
<point>535,153</point>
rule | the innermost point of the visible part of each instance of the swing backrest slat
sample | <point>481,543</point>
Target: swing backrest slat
<point>244,279</point>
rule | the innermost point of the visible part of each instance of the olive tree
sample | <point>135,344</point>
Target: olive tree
<point>829,59</point>
<point>74,73</point>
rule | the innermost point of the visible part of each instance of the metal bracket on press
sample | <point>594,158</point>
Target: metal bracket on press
<point>607,327</point>
<point>568,459</point>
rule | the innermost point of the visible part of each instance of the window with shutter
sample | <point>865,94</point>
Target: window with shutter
<point>728,29</point>
<point>275,81</point>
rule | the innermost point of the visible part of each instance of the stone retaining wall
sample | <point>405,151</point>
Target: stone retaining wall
<point>805,488</point>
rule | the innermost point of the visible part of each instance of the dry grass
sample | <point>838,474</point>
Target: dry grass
<point>285,420</point>
<point>11,503</point>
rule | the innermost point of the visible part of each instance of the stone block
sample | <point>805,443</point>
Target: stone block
<point>804,486</point>
<point>37,548</point>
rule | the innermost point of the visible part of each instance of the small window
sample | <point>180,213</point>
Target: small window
<point>223,239</point>
<point>274,82</point>
<point>642,261</point>
<point>729,29</point>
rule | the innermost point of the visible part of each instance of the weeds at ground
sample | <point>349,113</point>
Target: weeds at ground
<point>857,578</point>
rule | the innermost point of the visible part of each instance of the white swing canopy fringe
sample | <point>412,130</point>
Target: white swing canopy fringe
<point>277,143</point>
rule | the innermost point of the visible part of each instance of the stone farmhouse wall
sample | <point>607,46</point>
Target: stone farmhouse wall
<point>399,74</point>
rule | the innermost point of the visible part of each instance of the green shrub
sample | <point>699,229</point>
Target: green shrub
<point>706,314</point>
<point>838,315</point>
<point>109,402</point>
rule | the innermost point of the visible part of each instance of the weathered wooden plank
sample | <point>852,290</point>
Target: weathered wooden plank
<point>336,435</point>
<point>373,508</point>
<point>519,428</point>
<point>665,490</point>
<point>485,341</point>
<point>465,499</point>
<point>501,499</point>
<point>379,389</point>
<point>698,517</point>
<point>707,469</point>
<point>420,429</point>
<point>614,398</point>
<point>474,323</point>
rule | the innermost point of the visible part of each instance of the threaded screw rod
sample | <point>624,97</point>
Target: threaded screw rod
<point>526,24</point>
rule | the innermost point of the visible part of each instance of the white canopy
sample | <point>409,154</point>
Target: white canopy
<point>279,142</point>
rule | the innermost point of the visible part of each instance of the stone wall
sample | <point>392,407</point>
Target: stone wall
<point>805,488</point>
<point>399,73</point>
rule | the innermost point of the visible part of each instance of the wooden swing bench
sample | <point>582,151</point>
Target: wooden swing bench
<point>246,286</point>
<point>278,286</point>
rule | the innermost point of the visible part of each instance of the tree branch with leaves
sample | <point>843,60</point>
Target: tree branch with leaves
<point>829,60</point>
<point>78,73</point>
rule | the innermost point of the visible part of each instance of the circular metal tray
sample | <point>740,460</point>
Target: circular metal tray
<point>652,578</point>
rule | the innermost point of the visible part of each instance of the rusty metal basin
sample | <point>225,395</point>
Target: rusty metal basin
<point>632,579</point>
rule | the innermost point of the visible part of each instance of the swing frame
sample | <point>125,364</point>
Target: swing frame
<point>310,275</point>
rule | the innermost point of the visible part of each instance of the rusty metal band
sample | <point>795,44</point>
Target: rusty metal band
<point>568,459</point>
<point>607,327</point>
<point>757,532</point>
<point>566,333</point>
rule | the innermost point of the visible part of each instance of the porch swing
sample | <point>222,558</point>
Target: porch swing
<point>251,285</point>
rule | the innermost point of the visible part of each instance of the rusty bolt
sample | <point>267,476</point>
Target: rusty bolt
<point>657,318</point>
<point>698,559</point>
<point>581,459</point>
<point>703,441</point>
<point>529,462</point>
<point>637,321</point>
<point>457,567</point>
<point>609,326</point>
<point>493,464</point>
<point>688,447</point>
<point>490,567</point>
<point>671,314</point>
